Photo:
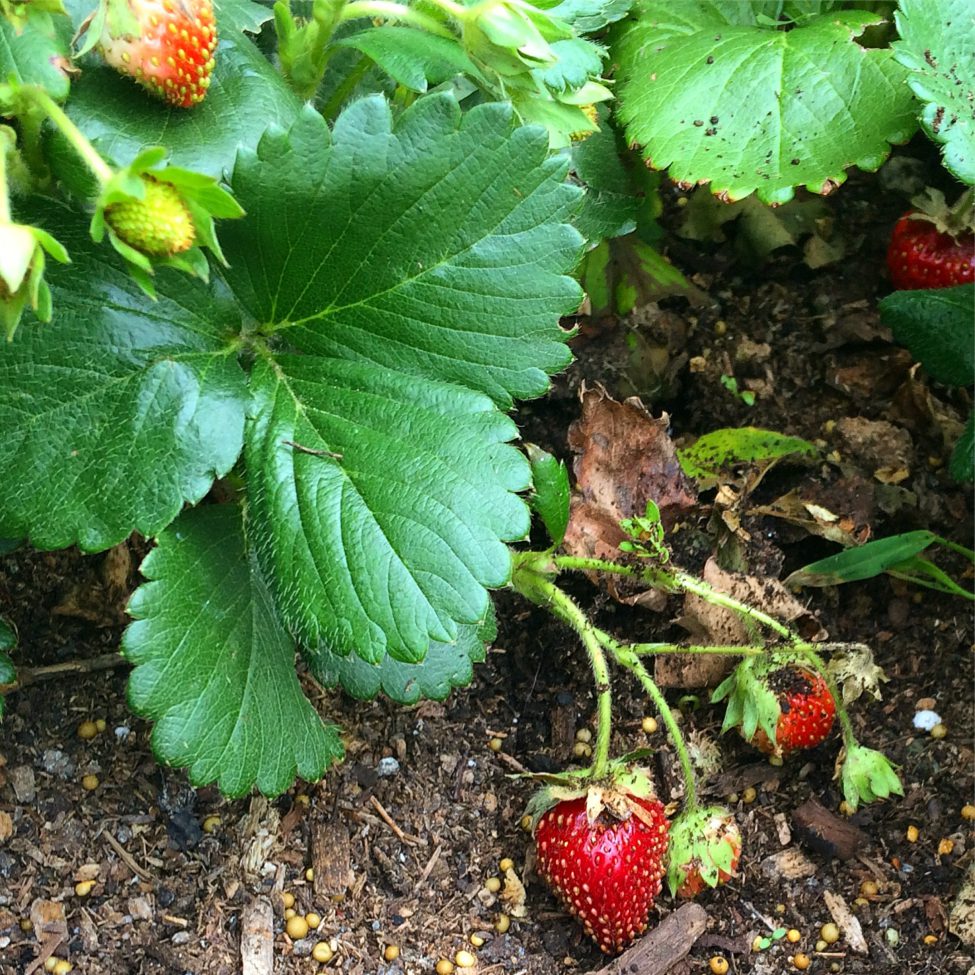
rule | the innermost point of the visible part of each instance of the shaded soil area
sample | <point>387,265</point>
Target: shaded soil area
<point>403,838</point>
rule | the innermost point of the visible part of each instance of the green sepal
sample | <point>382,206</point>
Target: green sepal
<point>868,775</point>
<point>751,705</point>
<point>23,251</point>
<point>550,499</point>
<point>203,197</point>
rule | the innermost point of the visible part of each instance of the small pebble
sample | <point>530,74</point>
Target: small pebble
<point>387,767</point>
<point>391,953</point>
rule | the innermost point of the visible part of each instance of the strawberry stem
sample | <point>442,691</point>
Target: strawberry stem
<point>389,10</point>
<point>70,131</point>
<point>528,579</point>
<point>6,144</point>
<point>626,657</point>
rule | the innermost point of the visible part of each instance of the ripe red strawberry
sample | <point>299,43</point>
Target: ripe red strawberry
<point>705,847</point>
<point>933,246</point>
<point>806,711</point>
<point>159,225</point>
<point>167,46</point>
<point>603,855</point>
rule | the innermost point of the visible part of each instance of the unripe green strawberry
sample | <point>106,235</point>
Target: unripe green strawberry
<point>159,225</point>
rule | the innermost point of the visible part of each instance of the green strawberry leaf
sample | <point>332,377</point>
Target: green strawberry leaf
<point>936,48</point>
<point>445,667</point>
<point>7,673</point>
<point>35,56</point>
<point>751,704</point>
<point>551,496</point>
<point>214,667</point>
<point>962,464</point>
<point>412,57</point>
<point>240,15</point>
<point>750,109</point>
<point>867,775</point>
<point>578,59</point>
<point>413,283</point>
<point>936,325</point>
<point>120,411</point>
<point>246,95</point>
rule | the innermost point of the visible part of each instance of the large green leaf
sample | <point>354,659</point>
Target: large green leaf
<point>716,98</point>
<point>246,95</point>
<point>120,410</point>
<point>446,666</point>
<point>36,55</point>
<point>936,45</point>
<point>214,667</point>
<point>413,277</point>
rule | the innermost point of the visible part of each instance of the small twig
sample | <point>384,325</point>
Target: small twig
<point>311,450</point>
<point>127,858</point>
<point>391,823</point>
<point>428,869</point>
<point>513,762</point>
<point>34,675</point>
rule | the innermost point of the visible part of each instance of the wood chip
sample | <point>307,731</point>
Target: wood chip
<point>659,951</point>
<point>827,833</point>
<point>257,938</point>
<point>331,855</point>
<point>782,829</point>
<point>961,921</point>
<point>846,922</point>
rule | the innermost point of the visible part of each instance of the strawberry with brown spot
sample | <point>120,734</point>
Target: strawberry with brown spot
<point>602,849</point>
<point>705,848</point>
<point>779,706</point>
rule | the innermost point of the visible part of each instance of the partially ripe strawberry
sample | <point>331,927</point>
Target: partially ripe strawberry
<point>159,225</point>
<point>603,855</point>
<point>705,847</point>
<point>933,245</point>
<point>167,46</point>
<point>806,711</point>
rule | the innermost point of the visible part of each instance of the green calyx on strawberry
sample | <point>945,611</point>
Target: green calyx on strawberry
<point>933,245</point>
<point>866,775</point>
<point>705,847</point>
<point>777,705</point>
<point>167,46</point>
<point>161,217</point>
<point>601,848</point>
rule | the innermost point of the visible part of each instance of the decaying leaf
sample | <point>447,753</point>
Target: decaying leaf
<point>513,894</point>
<point>856,673</point>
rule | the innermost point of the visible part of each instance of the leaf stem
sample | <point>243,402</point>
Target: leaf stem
<point>626,657</point>
<point>538,588</point>
<point>71,132</point>
<point>390,10</point>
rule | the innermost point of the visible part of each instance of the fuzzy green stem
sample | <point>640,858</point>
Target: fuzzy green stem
<point>71,132</point>
<point>625,657</point>
<point>390,10</point>
<point>4,193</point>
<point>539,589</point>
<point>657,649</point>
<point>334,105</point>
<point>955,547</point>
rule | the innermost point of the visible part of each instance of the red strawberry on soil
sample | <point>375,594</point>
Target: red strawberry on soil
<point>933,246</point>
<point>167,46</point>
<point>778,705</point>
<point>603,855</point>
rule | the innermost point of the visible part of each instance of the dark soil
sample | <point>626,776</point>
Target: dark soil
<point>402,859</point>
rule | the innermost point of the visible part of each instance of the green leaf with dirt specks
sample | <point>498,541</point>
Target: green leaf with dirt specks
<point>214,666</point>
<point>716,97</point>
<point>937,46</point>
<point>718,450</point>
<point>33,56</point>
<point>445,667</point>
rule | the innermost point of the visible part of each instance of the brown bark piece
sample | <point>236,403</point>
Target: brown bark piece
<point>257,939</point>
<point>827,833</point>
<point>665,945</point>
<point>331,858</point>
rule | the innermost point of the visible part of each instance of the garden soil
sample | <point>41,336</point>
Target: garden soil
<point>395,848</point>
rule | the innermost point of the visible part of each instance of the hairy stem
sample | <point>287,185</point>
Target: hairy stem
<point>4,192</point>
<point>71,132</point>
<point>390,10</point>
<point>625,657</point>
<point>539,589</point>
